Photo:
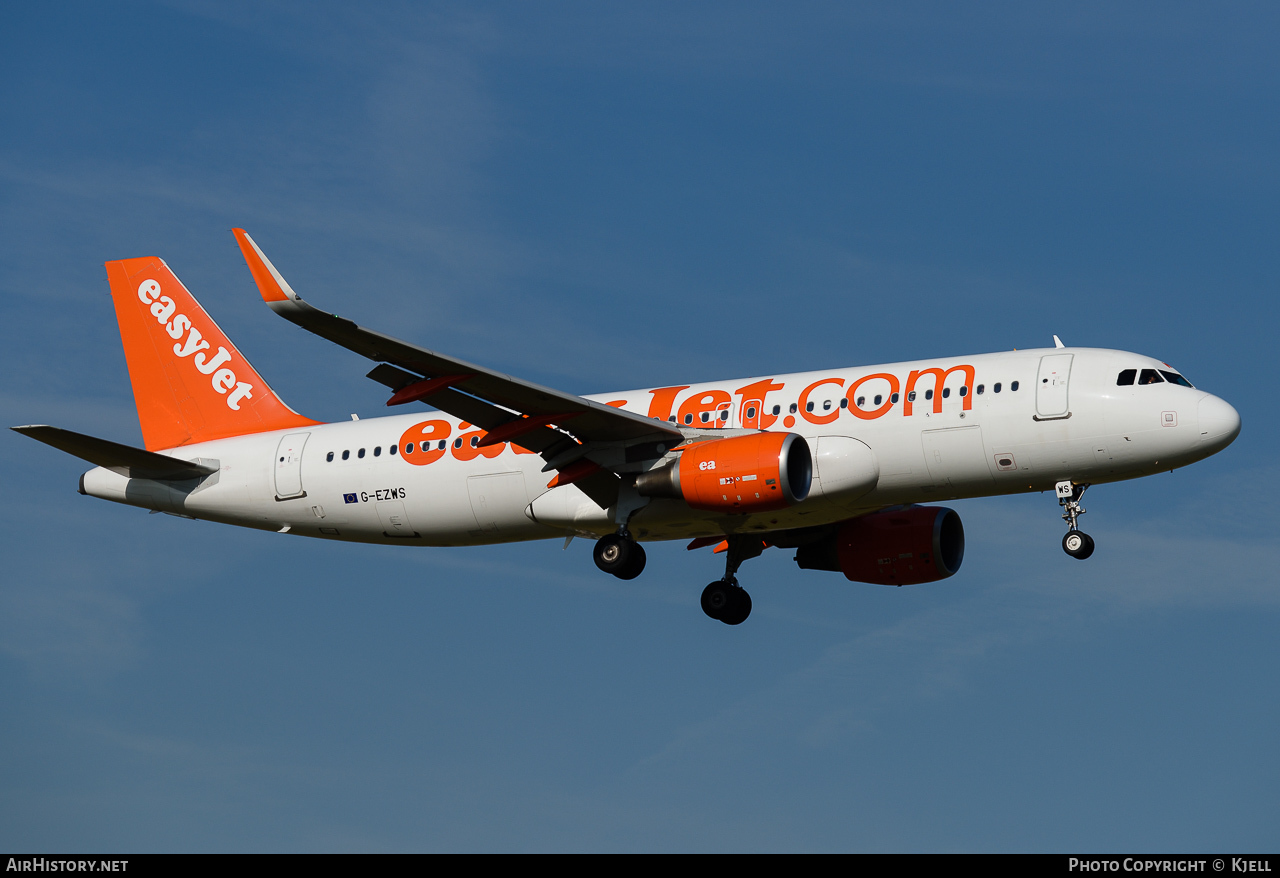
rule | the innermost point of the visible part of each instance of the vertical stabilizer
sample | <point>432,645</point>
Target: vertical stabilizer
<point>189,382</point>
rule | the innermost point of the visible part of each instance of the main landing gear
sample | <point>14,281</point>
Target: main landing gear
<point>724,599</point>
<point>1076,543</point>
<point>619,555</point>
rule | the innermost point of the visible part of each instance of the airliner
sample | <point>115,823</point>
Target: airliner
<point>842,466</point>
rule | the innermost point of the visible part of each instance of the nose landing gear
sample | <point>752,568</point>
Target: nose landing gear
<point>724,599</point>
<point>1076,543</point>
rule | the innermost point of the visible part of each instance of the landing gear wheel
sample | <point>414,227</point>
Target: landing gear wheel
<point>726,602</point>
<point>619,556</point>
<point>739,609</point>
<point>1077,544</point>
<point>717,598</point>
<point>635,566</point>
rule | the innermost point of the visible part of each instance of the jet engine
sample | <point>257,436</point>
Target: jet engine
<point>895,547</point>
<point>753,473</point>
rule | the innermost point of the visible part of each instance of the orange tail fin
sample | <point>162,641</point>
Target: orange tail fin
<point>189,381</point>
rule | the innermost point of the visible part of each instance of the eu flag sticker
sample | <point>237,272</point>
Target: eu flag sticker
<point>349,498</point>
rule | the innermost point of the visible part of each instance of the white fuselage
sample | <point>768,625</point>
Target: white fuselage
<point>1023,421</point>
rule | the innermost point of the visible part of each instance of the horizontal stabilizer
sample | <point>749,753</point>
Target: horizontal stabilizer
<point>133,463</point>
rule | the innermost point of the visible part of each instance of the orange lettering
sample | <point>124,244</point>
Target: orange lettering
<point>469,452</point>
<point>754,395</point>
<point>663,399</point>
<point>940,378</point>
<point>708,402</point>
<point>416,442</point>
<point>851,396</point>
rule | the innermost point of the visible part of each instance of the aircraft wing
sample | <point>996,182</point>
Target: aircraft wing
<point>501,404</point>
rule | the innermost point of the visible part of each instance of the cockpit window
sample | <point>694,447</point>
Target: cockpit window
<point>1175,378</point>
<point>1126,377</point>
<point>1150,376</point>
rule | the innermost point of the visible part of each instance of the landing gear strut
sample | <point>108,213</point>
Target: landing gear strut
<point>1076,543</point>
<point>724,599</point>
<point>619,555</point>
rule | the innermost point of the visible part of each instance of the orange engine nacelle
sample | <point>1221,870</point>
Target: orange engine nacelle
<point>752,473</point>
<point>897,547</point>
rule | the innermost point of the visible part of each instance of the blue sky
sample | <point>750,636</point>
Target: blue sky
<point>596,198</point>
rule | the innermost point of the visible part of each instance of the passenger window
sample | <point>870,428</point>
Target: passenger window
<point>751,411</point>
<point>876,401</point>
<point>457,443</point>
<point>475,441</point>
<point>1175,378</point>
<point>377,451</point>
<point>996,388</point>
<point>981,387</point>
<point>724,414</point>
<point>946,392</point>
<point>893,397</point>
<point>391,449</point>
<point>688,419</point>
<point>442,444</point>
<point>808,406</point>
<point>862,400</point>
<point>964,390</point>
<point>793,408</point>
<point>706,416</point>
<point>408,448</point>
<point>672,419</point>
<point>776,410</point>
<point>329,457</point>
<point>911,397</point>
<point>928,394</point>
<point>346,455</point>
<point>826,405</point>
<point>1126,377</point>
<point>1013,386</point>
<point>360,453</point>
<point>844,402</point>
<point>1150,376</point>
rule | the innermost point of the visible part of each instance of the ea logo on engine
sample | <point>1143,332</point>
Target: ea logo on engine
<point>706,464</point>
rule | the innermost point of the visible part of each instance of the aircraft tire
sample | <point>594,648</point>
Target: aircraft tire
<point>739,607</point>
<point>717,598</point>
<point>613,554</point>
<point>1077,544</point>
<point>635,566</point>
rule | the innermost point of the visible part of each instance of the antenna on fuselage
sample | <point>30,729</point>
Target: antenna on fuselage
<point>1057,342</point>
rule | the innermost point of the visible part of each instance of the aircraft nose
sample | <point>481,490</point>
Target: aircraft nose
<point>1219,422</point>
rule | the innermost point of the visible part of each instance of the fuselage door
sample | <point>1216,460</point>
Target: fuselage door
<point>289,466</point>
<point>1051,386</point>
<point>956,457</point>
<point>498,501</point>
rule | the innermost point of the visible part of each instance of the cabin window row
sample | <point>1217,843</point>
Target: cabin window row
<point>409,448</point>
<point>827,404</point>
<point>346,454</point>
